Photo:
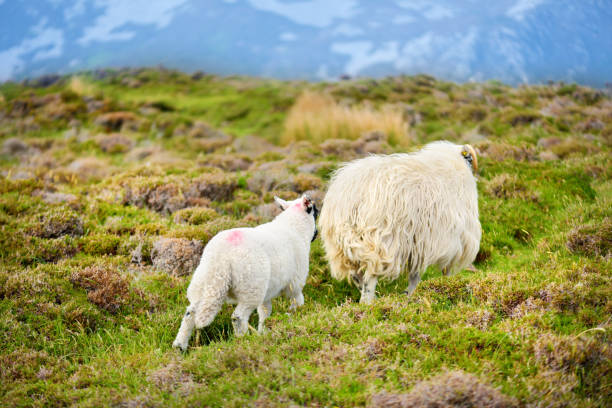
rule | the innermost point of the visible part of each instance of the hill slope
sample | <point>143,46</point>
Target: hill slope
<point>107,177</point>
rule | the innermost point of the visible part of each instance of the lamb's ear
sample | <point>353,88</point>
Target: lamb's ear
<point>281,203</point>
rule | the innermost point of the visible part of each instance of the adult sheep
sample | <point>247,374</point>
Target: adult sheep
<point>250,267</point>
<point>383,214</point>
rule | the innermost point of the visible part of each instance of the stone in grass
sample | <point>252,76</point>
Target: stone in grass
<point>451,389</point>
<point>176,256</point>
<point>14,146</point>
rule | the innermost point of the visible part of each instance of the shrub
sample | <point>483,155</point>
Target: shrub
<point>592,240</point>
<point>105,287</point>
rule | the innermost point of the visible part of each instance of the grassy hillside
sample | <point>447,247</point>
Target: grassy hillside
<point>111,182</point>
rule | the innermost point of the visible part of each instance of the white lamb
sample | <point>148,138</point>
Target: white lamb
<point>250,267</point>
<point>384,214</point>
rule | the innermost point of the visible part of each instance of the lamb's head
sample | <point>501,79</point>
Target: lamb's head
<point>303,208</point>
<point>469,154</point>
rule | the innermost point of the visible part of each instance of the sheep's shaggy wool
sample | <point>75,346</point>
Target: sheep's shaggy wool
<point>384,214</point>
<point>250,267</point>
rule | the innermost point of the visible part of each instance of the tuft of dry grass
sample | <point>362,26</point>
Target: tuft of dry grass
<point>451,389</point>
<point>318,117</point>
<point>81,86</point>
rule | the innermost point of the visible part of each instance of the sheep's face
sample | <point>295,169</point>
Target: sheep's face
<point>304,206</point>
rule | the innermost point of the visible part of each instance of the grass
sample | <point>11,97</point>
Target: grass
<point>86,319</point>
<point>318,117</point>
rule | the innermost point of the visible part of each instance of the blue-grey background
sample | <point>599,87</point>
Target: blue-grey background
<point>514,41</point>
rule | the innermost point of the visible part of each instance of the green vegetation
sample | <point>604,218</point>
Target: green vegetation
<point>96,169</point>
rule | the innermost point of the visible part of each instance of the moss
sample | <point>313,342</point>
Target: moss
<point>99,244</point>
<point>195,215</point>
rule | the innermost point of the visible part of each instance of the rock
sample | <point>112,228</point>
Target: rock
<point>21,175</point>
<point>312,168</point>
<point>336,147</point>
<point>439,95</point>
<point>547,155</point>
<point>548,142</point>
<point>56,198</point>
<point>228,162</point>
<point>141,153</point>
<point>14,146</point>
<point>253,145</point>
<point>88,167</point>
<point>131,82</point>
<point>267,211</point>
<point>176,256</point>
<point>214,186</point>
<point>591,125</point>
<point>268,179</point>
<point>115,143</point>
<point>473,136</point>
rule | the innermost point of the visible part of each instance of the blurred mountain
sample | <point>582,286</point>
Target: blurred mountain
<point>514,41</point>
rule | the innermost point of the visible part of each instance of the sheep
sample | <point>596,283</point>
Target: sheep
<point>383,214</point>
<point>250,267</point>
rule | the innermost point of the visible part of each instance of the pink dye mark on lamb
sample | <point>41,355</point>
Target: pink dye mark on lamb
<point>297,206</point>
<point>235,237</point>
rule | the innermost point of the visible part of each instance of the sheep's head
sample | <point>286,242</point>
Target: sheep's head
<point>469,154</point>
<point>305,205</point>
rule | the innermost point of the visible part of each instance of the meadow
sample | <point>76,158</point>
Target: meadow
<point>112,181</point>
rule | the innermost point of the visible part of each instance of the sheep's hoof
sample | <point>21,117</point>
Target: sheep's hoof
<point>182,347</point>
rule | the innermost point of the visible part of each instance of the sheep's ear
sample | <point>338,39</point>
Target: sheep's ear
<point>281,203</point>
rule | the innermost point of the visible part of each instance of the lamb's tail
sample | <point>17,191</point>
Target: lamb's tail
<point>215,285</point>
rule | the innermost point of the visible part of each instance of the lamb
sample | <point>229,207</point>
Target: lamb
<point>385,214</point>
<point>250,267</point>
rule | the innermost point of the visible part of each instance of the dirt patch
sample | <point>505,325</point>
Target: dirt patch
<point>451,389</point>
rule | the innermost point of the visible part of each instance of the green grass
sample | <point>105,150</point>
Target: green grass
<point>533,320</point>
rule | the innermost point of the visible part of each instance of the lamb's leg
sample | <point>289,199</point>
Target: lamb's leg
<point>240,318</point>
<point>368,290</point>
<point>415,278</point>
<point>297,300</point>
<point>263,312</point>
<point>186,329</point>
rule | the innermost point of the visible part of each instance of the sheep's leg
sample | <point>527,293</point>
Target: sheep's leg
<point>186,329</point>
<point>263,311</point>
<point>297,300</point>
<point>414,281</point>
<point>368,290</point>
<point>240,318</point>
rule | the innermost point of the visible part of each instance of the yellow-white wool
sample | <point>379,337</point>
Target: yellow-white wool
<point>387,213</point>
